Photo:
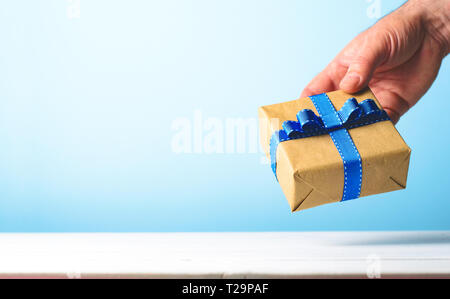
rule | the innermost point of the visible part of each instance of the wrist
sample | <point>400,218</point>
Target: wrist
<point>435,17</point>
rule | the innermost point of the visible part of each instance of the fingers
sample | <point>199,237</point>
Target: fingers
<point>393,115</point>
<point>371,54</point>
<point>320,84</point>
<point>391,101</point>
<point>327,80</point>
<point>353,68</point>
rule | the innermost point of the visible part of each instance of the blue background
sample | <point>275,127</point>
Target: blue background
<point>86,106</point>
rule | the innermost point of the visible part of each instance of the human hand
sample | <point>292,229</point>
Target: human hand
<point>398,58</point>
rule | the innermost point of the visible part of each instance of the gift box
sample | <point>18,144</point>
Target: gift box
<point>333,147</point>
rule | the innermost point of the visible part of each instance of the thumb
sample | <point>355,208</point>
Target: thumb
<point>363,66</point>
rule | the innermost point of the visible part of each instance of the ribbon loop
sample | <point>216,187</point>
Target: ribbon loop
<point>350,112</point>
<point>293,129</point>
<point>309,121</point>
<point>370,108</point>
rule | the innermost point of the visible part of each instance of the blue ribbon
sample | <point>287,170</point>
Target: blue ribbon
<point>336,124</point>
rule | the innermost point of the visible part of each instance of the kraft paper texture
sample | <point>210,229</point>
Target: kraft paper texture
<point>310,170</point>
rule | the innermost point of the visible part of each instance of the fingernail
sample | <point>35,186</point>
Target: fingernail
<point>351,81</point>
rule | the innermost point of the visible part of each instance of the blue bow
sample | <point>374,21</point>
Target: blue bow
<point>308,124</point>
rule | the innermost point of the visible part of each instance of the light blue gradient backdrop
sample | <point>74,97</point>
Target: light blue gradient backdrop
<point>86,106</point>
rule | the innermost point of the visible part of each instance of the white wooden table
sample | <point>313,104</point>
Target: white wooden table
<point>226,255</point>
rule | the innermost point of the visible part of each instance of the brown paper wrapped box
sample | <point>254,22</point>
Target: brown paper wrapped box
<point>310,170</point>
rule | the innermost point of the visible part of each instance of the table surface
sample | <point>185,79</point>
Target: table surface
<point>226,255</point>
